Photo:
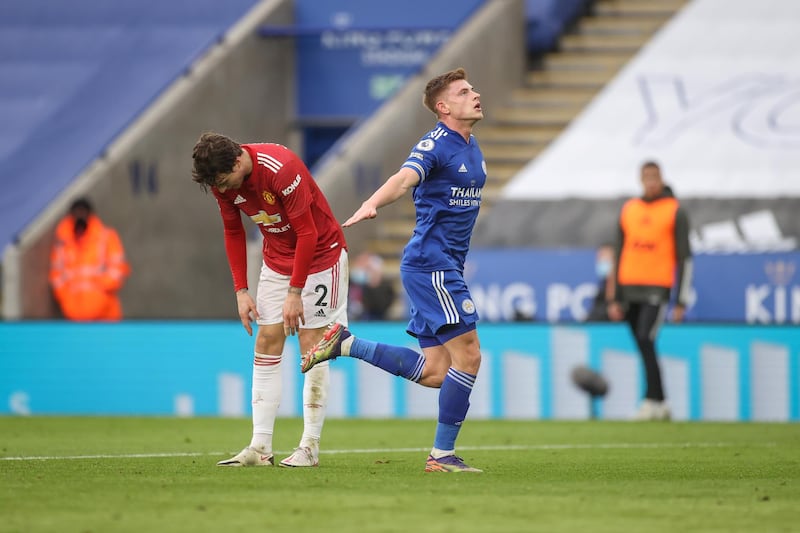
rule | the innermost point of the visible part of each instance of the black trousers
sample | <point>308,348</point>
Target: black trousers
<point>645,320</point>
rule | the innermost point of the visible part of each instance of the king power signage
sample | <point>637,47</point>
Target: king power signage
<point>560,285</point>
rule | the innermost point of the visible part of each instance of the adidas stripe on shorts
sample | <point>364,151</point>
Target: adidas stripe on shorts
<point>324,295</point>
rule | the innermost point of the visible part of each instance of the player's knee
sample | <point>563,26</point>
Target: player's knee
<point>468,360</point>
<point>271,344</point>
<point>471,361</point>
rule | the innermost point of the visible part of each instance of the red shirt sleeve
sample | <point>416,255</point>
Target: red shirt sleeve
<point>235,243</point>
<point>306,231</point>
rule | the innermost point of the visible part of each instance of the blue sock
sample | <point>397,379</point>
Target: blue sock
<point>453,407</point>
<point>396,360</point>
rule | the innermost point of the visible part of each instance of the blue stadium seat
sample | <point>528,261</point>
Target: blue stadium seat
<point>547,20</point>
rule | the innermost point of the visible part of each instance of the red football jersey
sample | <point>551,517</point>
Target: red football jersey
<point>276,196</point>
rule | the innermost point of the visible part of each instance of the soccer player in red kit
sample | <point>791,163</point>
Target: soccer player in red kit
<point>303,283</point>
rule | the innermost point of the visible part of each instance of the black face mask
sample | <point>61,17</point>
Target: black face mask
<point>80,226</point>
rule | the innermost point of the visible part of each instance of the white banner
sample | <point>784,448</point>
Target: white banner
<point>714,98</point>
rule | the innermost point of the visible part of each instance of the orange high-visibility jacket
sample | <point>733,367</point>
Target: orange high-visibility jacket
<point>87,273</point>
<point>648,251</point>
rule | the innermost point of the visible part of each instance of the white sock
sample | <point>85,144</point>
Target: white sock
<point>266,399</point>
<point>436,453</point>
<point>346,344</point>
<point>315,399</point>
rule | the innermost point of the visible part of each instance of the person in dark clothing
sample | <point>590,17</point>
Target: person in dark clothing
<point>654,260</point>
<point>604,267</point>
<point>372,294</point>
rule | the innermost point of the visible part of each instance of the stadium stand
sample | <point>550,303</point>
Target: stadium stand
<point>136,168</point>
<point>548,20</point>
<point>73,75</point>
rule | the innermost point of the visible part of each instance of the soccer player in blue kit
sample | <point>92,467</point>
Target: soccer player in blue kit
<point>447,172</point>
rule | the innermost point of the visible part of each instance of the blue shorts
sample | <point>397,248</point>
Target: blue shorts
<point>440,305</point>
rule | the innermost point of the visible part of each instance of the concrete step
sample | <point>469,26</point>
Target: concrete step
<point>503,171</point>
<point>406,208</point>
<point>498,153</point>
<point>491,193</point>
<point>603,43</point>
<point>623,8</point>
<point>583,78</point>
<point>553,95</point>
<point>607,62</point>
<point>520,133</point>
<point>538,115</point>
<point>397,228</point>
<point>545,106</point>
<point>632,25</point>
<point>388,248</point>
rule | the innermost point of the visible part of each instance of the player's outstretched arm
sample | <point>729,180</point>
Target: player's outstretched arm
<point>395,187</point>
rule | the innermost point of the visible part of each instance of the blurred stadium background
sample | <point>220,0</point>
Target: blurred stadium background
<point>107,99</point>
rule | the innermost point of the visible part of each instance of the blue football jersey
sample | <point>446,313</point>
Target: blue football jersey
<point>452,174</point>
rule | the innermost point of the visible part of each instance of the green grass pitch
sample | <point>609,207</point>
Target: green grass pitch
<point>96,474</point>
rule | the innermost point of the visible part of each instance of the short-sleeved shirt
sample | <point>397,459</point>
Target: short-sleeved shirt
<point>447,199</point>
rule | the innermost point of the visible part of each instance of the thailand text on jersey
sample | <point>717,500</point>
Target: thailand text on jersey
<point>280,187</point>
<point>452,174</point>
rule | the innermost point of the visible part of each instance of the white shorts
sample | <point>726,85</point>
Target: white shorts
<point>324,295</point>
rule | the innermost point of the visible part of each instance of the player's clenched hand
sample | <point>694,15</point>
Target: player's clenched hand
<point>292,314</point>
<point>247,310</point>
<point>364,212</point>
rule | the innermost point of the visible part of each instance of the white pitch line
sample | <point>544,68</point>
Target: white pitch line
<point>510,447</point>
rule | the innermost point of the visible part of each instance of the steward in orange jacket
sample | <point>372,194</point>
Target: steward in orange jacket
<point>87,266</point>
<point>654,261</point>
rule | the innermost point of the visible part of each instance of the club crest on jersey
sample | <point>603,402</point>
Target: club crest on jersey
<point>468,306</point>
<point>268,197</point>
<point>425,145</point>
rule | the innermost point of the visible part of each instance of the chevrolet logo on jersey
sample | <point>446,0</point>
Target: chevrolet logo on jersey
<point>265,218</point>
